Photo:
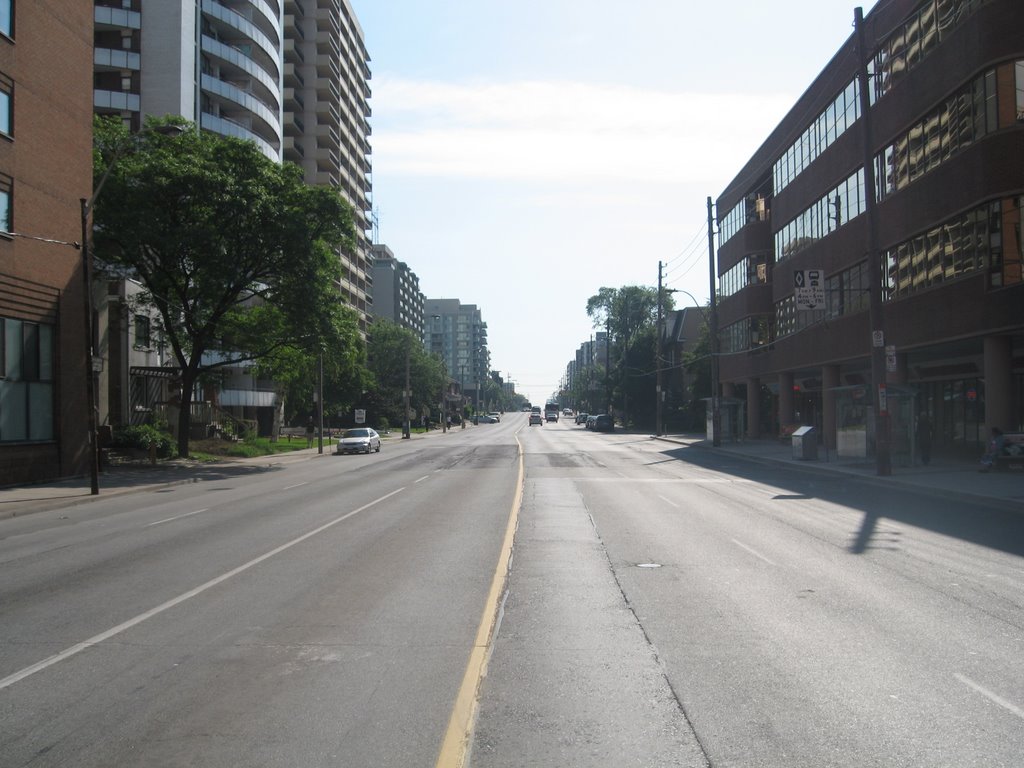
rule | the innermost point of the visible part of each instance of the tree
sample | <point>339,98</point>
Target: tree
<point>236,253</point>
<point>389,347</point>
<point>627,314</point>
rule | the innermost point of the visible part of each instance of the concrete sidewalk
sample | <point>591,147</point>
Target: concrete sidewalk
<point>944,476</point>
<point>133,478</point>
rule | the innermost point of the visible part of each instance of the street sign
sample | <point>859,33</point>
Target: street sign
<point>360,416</point>
<point>809,289</point>
<point>890,358</point>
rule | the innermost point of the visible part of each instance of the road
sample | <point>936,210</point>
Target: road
<point>664,607</point>
<point>673,607</point>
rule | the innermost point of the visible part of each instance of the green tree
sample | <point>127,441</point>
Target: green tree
<point>389,346</point>
<point>236,253</point>
<point>627,314</point>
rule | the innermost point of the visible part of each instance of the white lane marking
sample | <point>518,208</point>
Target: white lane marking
<point>752,551</point>
<point>991,696</point>
<point>289,487</point>
<point>177,517</point>
<point>668,501</point>
<point>126,625</point>
<point>425,477</point>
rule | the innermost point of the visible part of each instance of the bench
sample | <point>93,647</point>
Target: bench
<point>1011,457</point>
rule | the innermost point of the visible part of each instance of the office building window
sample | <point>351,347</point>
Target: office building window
<point>6,105</point>
<point>26,381</point>
<point>7,17</point>
<point>6,203</point>
<point>985,238</point>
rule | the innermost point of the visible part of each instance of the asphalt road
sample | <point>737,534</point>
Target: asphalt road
<point>664,607</point>
<point>317,614</point>
<point>671,607</point>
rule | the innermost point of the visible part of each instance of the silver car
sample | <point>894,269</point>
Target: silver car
<point>359,440</point>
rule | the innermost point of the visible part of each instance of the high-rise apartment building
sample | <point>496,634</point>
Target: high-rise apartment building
<point>457,333</point>
<point>327,130</point>
<point>45,170</point>
<point>802,308</point>
<point>396,291</point>
<point>218,63</point>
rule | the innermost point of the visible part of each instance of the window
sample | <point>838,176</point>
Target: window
<point>6,203</point>
<point>142,331</point>
<point>6,105</point>
<point>7,17</point>
<point>26,381</point>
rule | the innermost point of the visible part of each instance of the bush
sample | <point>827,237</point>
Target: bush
<point>140,436</point>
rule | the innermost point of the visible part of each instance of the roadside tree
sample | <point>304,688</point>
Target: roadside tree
<point>236,252</point>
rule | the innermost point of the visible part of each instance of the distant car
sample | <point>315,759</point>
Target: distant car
<point>486,418</point>
<point>536,419</point>
<point>589,423</point>
<point>359,440</point>
<point>567,411</point>
<point>495,415</point>
<point>603,423</point>
<point>581,418</point>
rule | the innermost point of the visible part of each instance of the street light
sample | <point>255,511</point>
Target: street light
<point>92,364</point>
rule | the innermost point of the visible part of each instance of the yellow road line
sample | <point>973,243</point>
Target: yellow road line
<point>460,725</point>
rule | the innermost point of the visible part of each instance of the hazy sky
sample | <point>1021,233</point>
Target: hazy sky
<point>526,154</point>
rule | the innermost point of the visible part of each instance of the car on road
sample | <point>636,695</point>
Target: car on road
<point>536,419</point>
<point>486,418</point>
<point>359,440</point>
<point>602,423</point>
<point>495,415</point>
<point>581,418</point>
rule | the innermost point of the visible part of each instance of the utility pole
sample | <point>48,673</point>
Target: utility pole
<point>657,362</point>
<point>320,405</point>
<point>883,458</point>
<point>716,413</point>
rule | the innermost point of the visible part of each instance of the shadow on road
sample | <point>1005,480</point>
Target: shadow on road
<point>977,522</point>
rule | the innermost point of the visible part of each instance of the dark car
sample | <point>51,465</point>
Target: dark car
<point>536,419</point>
<point>603,423</point>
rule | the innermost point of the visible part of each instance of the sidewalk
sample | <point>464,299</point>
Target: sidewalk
<point>16,500</point>
<point>943,476</point>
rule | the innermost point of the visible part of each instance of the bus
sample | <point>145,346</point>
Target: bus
<point>551,412</point>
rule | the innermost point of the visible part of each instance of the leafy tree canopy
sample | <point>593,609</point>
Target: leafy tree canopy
<point>236,253</point>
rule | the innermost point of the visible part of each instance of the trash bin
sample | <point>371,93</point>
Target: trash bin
<point>805,444</point>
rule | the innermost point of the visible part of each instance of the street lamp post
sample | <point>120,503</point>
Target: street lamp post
<point>406,429</point>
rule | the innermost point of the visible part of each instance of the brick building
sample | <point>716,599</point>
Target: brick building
<point>45,170</point>
<point>945,140</point>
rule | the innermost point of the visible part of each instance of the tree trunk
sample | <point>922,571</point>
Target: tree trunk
<point>188,381</point>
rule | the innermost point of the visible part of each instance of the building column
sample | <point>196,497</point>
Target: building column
<point>829,382</point>
<point>998,384</point>
<point>785,399</point>
<point>754,408</point>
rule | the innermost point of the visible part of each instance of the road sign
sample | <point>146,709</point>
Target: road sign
<point>890,358</point>
<point>809,289</point>
<point>360,416</point>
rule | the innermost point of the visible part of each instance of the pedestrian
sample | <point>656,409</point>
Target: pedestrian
<point>310,431</point>
<point>924,438</point>
<point>995,447</point>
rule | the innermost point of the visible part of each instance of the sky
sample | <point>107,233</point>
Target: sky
<point>527,154</point>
